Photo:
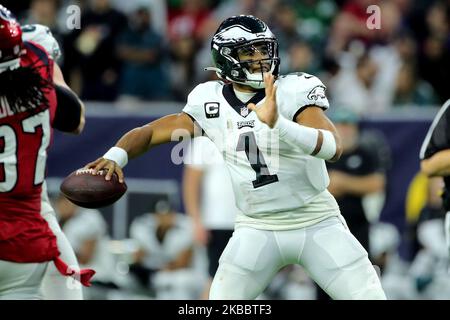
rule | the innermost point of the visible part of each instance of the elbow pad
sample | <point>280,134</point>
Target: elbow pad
<point>68,110</point>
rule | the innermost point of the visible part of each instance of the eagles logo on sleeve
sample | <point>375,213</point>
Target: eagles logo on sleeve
<point>317,93</point>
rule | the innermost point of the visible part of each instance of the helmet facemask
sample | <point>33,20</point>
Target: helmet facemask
<point>248,71</point>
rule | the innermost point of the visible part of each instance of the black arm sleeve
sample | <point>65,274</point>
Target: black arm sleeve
<point>68,110</point>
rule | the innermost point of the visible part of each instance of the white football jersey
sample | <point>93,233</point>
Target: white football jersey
<point>271,179</point>
<point>42,35</point>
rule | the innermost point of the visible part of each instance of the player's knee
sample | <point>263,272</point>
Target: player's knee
<point>357,281</point>
<point>232,282</point>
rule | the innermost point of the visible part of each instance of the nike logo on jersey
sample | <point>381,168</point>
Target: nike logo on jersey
<point>212,110</point>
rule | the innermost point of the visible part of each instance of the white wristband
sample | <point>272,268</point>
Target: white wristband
<point>328,148</point>
<point>118,155</point>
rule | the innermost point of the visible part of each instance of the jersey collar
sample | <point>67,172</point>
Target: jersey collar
<point>237,104</point>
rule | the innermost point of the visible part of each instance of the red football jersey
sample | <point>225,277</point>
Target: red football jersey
<point>24,138</point>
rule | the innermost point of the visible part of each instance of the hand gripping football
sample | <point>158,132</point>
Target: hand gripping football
<point>92,191</point>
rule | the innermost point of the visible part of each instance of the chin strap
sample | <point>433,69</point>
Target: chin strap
<point>256,84</point>
<point>84,275</point>
<point>213,69</point>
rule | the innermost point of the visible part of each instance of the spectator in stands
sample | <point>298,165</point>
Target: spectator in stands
<point>90,52</point>
<point>351,24</point>
<point>286,29</point>
<point>43,12</point>
<point>187,21</point>
<point>406,47</point>
<point>188,26</point>
<point>182,67</point>
<point>166,261</point>
<point>230,8</point>
<point>202,54</point>
<point>370,74</point>
<point>157,9</point>
<point>410,90</point>
<point>434,62</point>
<point>301,57</point>
<point>141,50</point>
<point>353,85</point>
<point>209,201</point>
<point>18,7</point>
<point>314,18</point>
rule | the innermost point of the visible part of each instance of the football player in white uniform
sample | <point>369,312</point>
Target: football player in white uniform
<point>274,136</point>
<point>54,285</point>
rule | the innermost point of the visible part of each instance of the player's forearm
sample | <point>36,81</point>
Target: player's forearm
<point>437,165</point>
<point>191,192</point>
<point>136,141</point>
<point>363,185</point>
<point>140,140</point>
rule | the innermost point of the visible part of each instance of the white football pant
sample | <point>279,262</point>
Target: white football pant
<point>21,281</point>
<point>330,254</point>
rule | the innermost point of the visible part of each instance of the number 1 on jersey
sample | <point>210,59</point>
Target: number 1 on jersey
<point>247,143</point>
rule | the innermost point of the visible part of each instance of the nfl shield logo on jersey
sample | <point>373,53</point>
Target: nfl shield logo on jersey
<point>244,111</point>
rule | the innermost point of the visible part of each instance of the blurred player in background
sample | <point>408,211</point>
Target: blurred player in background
<point>166,259</point>
<point>356,174</point>
<point>435,157</point>
<point>359,172</point>
<point>209,200</point>
<point>29,90</point>
<point>274,136</point>
<point>70,119</point>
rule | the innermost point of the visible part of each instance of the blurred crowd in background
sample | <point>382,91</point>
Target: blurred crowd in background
<point>155,50</point>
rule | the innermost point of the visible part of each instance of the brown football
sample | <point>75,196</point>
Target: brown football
<point>92,191</point>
